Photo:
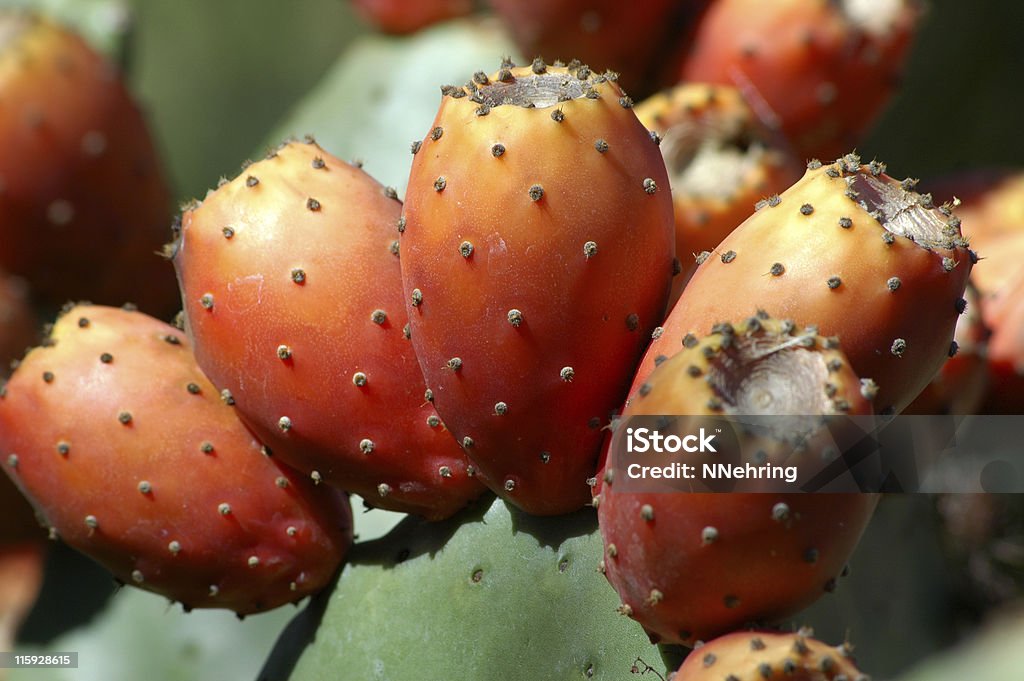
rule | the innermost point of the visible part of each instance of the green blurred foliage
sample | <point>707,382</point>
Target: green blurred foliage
<point>215,76</point>
<point>141,636</point>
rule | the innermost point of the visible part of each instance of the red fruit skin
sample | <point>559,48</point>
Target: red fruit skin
<point>401,17</point>
<point>545,329</point>
<point>809,68</point>
<point>134,460</point>
<point>720,162</point>
<point>690,566</point>
<point>84,207</point>
<point>769,656</point>
<point>993,215</point>
<point>863,309</point>
<point>289,328</point>
<point>758,561</point>
<point>962,383</point>
<point>628,38</point>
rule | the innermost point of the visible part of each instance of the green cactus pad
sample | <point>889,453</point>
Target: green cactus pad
<point>490,594</point>
<point>383,93</point>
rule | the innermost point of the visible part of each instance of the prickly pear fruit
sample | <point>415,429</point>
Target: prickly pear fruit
<point>962,383</point>
<point>769,656</point>
<point>290,273</point>
<point>993,211</point>
<point>1005,356</point>
<point>133,459</point>
<point>689,566</point>
<point>820,71</point>
<point>720,162</point>
<point>408,16</point>
<point>537,220</point>
<point>83,204</point>
<point>757,366</point>
<point>627,37</point>
<point>853,251</point>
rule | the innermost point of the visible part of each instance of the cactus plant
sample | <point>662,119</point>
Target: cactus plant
<point>490,594</point>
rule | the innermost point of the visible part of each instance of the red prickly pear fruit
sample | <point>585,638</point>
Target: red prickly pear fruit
<point>18,322</point>
<point>990,202</point>
<point>689,566</point>
<point>757,366</point>
<point>134,460</point>
<point>83,203</point>
<point>993,210</point>
<point>290,273</point>
<point>720,162</point>
<point>1005,357</point>
<point>821,72</point>
<point>629,38</point>
<point>857,253</point>
<point>401,17</point>
<point>537,257</point>
<point>770,656</point>
<point>962,383</point>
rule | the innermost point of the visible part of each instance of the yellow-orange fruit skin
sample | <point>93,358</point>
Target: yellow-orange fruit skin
<point>692,118</point>
<point>813,255</point>
<point>770,656</point>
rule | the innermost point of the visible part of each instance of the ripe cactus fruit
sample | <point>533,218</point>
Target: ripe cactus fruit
<point>853,251</point>
<point>290,272</point>
<point>627,37</point>
<point>83,203</point>
<point>993,210</point>
<point>769,656</point>
<point>689,566</point>
<point>537,219</point>
<point>821,71</point>
<point>133,459</point>
<point>962,383</point>
<point>720,162</point>
<point>400,17</point>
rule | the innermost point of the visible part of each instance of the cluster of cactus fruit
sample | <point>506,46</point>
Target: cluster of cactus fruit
<point>562,261</point>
